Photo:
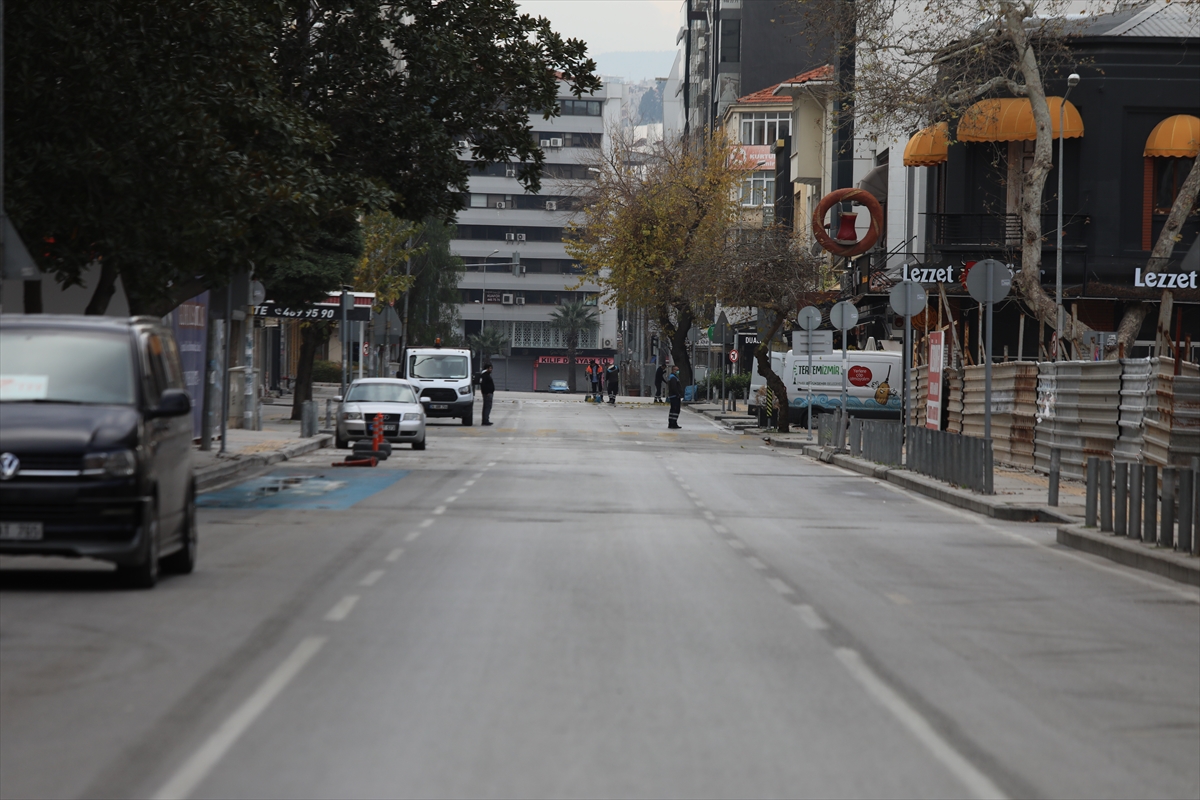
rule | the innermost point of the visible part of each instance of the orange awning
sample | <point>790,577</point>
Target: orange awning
<point>928,147</point>
<point>1175,137</point>
<point>1010,119</point>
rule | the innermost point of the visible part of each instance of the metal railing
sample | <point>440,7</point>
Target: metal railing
<point>951,457</point>
<point>883,442</point>
<point>1000,230</point>
<point>1168,517</point>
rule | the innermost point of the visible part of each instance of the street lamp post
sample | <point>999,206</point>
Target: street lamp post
<point>483,306</point>
<point>1072,82</point>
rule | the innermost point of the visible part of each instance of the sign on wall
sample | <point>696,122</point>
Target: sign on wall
<point>933,404</point>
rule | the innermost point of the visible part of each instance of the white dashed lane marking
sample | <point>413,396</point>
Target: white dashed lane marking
<point>811,618</point>
<point>780,586</point>
<point>395,554</point>
<point>372,577</point>
<point>754,562</point>
<point>342,608</point>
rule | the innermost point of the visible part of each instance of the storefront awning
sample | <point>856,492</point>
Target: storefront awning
<point>876,182</point>
<point>1175,137</point>
<point>928,147</point>
<point>1010,119</point>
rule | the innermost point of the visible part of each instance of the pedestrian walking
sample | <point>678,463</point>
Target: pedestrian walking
<point>674,397</point>
<point>487,387</point>
<point>658,382</point>
<point>613,375</point>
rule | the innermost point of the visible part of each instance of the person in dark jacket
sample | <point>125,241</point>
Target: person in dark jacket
<point>674,397</point>
<point>487,387</point>
<point>658,382</point>
<point>613,375</point>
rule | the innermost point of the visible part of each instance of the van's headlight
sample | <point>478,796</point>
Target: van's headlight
<point>412,416</point>
<point>464,390</point>
<point>115,464</point>
<point>352,415</point>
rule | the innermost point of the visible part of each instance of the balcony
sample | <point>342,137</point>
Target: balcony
<point>964,232</point>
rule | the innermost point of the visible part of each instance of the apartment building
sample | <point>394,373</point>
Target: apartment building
<point>518,271</point>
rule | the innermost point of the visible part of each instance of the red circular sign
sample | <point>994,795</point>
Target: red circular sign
<point>859,375</point>
<point>733,356</point>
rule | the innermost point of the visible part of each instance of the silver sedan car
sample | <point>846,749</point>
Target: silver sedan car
<point>397,403</point>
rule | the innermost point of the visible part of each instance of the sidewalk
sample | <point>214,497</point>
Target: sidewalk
<point>1020,496</point>
<point>247,452</point>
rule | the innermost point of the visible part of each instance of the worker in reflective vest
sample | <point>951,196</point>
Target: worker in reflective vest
<point>674,397</point>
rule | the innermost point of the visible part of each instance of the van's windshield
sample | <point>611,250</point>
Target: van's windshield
<point>438,366</point>
<point>49,366</point>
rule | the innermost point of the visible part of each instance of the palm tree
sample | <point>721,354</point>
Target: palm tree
<point>487,342</point>
<point>573,319</point>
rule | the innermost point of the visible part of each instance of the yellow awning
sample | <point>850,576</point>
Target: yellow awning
<point>1175,137</point>
<point>1010,119</point>
<point>928,147</point>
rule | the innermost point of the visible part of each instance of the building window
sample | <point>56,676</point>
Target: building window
<point>1169,174</point>
<point>580,108</point>
<point>545,335</point>
<point>765,127</point>
<point>731,41</point>
<point>759,190</point>
<point>478,200</point>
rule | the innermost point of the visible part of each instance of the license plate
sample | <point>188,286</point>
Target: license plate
<point>389,428</point>
<point>21,531</point>
<point>438,406</point>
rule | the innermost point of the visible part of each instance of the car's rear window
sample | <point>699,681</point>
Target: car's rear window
<point>381,393</point>
<point>57,366</point>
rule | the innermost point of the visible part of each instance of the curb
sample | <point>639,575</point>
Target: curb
<point>217,475</point>
<point>929,487</point>
<point>1130,553</point>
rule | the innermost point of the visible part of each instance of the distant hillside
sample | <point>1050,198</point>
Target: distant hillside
<point>636,65</point>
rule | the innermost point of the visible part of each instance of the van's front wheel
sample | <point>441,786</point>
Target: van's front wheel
<point>469,417</point>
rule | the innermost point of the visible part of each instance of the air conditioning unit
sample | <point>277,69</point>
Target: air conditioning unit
<point>519,301</point>
<point>510,237</point>
<point>500,204</point>
<point>510,172</point>
<point>506,299</point>
<point>551,205</point>
<point>520,237</point>
<point>545,142</point>
<point>608,342</point>
<point>463,144</point>
<point>556,142</point>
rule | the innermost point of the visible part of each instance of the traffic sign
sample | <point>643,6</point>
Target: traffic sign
<point>843,315</point>
<point>977,280</point>
<point>809,318</point>
<point>733,356</point>
<point>366,349</point>
<point>908,298</point>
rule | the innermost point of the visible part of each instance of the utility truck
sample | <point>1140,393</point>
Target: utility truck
<point>444,375</point>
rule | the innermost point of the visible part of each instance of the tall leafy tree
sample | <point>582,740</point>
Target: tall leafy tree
<point>431,304</point>
<point>488,342</point>
<point>153,139</point>
<point>573,319</point>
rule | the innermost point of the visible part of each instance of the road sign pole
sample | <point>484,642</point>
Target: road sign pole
<point>987,369</point>
<point>810,395</point>
<point>905,401</point>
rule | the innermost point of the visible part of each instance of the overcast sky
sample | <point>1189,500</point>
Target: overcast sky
<point>612,25</point>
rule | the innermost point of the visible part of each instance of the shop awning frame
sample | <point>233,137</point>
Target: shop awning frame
<point>928,147</point>
<point>1174,137</point>
<point>1010,119</point>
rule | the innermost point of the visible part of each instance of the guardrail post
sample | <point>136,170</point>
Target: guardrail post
<point>1106,492</point>
<point>1055,472</point>
<point>1186,499</point>
<point>308,419</point>
<point>1134,530</point>
<point>989,464</point>
<point>1166,536</point>
<point>1195,506</point>
<point>1089,504</point>
<point>1150,505</point>
<point>856,436</point>
<point>1120,516</point>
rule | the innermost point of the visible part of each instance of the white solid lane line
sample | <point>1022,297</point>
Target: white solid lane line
<point>977,784</point>
<point>342,608</point>
<point>197,768</point>
<point>372,577</point>
<point>395,554</point>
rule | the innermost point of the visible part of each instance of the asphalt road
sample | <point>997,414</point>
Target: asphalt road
<point>577,603</point>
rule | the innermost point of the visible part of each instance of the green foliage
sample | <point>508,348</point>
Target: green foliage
<point>386,241</point>
<point>434,297</point>
<point>325,265</point>
<point>327,372</point>
<point>738,384</point>
<point>488,342</point>
<point>573,319</point>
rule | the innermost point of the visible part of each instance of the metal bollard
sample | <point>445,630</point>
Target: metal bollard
<point>1150,505</point>
<point>1106,492</point>
<point>1055,472</point>
<point>1187,498</point>
<point>1134,530</point>
<point>1120,515</point>
<point>1166,535</point>
<point>1089,504</point>
<point>308,419</point>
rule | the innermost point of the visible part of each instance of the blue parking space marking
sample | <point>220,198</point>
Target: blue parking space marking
<point>332,490</point>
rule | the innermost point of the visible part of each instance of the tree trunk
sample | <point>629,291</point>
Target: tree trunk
<point>1127,331</point>
<point>762,355</point>
<point>311,337</point>
<point>32,297</point>
<point>677,334</point>
<point>106,287</point>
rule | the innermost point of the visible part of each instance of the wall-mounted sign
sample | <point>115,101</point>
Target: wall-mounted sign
<point>1164,280</point>
<point>927,274</point>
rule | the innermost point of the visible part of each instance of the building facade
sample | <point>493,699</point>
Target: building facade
<point>517,268</point>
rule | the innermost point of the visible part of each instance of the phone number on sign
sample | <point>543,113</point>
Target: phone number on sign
<point>295,313</point>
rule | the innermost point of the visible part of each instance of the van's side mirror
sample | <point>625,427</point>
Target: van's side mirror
<point>426,400</point>
<point>173,403</point>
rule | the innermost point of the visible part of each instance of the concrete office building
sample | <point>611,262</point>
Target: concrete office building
<point>500,219</point>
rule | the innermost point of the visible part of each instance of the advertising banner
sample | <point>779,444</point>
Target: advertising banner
<point>933,404</point>
<point>190,324</point>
